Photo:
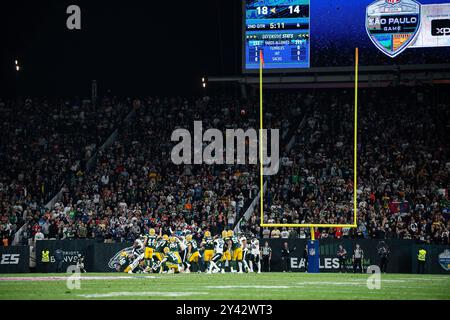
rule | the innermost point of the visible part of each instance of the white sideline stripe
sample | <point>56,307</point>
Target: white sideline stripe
<point>332,283</point>
<point>361,282</point>
<point>349,283</point>
<point>65,278</point>
<point>252,287</point>
<point>140,294</point>
<point>426,279</point>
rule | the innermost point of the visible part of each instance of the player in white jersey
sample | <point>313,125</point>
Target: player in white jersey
<point>138,253</point>
<point>245,251</point>
<point>255,255</point>
<point>219,245</point>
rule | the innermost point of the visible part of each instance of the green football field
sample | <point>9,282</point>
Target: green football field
<point>224,287</point>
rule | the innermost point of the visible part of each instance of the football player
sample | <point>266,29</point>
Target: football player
<point>218,255</point>
<point>137,255</point>
<point>255,255</point>
<point>183,249</point>
<point>159,251</point>
<point>193,254</point>
<point>171,261</point>
<point>243,242</point>
<point>226,259</point>
<point>174,246</point>
<point>123,262</point>
<point>150,246</point>
<point>236,249</point>
<point>208,246</point>
<point>80,263</point>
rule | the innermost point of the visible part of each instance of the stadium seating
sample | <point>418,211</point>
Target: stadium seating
<point>132,186</point>
<point>42,142</point>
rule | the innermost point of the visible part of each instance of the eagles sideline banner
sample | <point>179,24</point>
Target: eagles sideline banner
<point>402,258</point>
<point>14,259</point>
<point>101,257</point>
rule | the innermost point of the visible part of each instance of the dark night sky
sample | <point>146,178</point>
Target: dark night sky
<point>131,47</point>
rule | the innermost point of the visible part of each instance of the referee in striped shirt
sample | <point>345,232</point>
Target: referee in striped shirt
<point>358,256</point>
<point>266,257</point>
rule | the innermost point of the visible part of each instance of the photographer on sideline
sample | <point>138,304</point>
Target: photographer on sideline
<point>342,255</point>
<point>286,257</point>
<point>383,253</point>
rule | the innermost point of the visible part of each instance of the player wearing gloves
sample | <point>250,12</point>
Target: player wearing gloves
<point>208,246</point>
<point>236,250</point>
<point>255,255</point>
<point>171,262</point>
<point>193,255</point>
<point>150,245</point>
<point>219,245</point>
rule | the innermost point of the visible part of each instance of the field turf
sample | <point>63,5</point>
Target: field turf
<point>276,286</point>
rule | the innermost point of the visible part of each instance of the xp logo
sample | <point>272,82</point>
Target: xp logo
<point>442,31</point>
<point>8,259</point>
<point>393,24</point>
<point>440,27</point>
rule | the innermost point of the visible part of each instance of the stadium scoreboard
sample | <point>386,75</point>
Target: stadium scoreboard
<point>281,30</point>
<point>295,35</point>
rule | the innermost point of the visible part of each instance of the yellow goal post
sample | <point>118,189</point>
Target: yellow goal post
<point>355,160</point>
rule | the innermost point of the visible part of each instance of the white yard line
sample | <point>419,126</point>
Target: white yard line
<point>141,294</point>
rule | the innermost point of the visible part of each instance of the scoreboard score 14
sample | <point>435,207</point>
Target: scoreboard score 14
<point>281,29</point>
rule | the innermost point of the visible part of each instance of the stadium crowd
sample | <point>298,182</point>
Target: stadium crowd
<point>42,142</point>
<point>403,170</point>
<point>133,186</point>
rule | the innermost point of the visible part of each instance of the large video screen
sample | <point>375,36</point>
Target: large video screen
<point>300,34</point>
<point>281,30</point>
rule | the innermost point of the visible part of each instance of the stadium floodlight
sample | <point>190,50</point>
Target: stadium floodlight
<point>355,163</point>
<point>16,65</point>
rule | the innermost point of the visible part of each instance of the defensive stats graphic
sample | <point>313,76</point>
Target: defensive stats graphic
<point>280,28</point>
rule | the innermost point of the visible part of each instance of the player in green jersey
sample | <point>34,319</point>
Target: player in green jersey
<point>193,254</point>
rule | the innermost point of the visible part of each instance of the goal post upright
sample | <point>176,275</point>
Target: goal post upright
<point>355,141</point>
<point>261,135</point>
<point>313,244</point>
<point>312,226</point>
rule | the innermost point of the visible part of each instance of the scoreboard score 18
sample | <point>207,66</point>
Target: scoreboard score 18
<point>281,29</point>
